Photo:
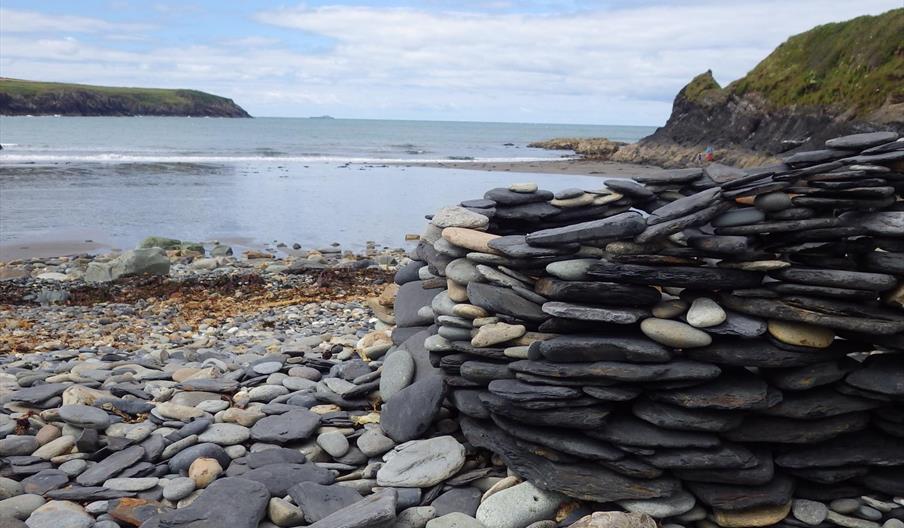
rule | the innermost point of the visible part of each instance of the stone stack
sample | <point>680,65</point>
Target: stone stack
<point>694,340</point>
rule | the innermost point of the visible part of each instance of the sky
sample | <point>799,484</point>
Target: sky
<point>539,61</point>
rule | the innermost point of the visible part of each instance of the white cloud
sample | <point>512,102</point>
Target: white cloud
<point>607,66</point>
<point>20,21</point>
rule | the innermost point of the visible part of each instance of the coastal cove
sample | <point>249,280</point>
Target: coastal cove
<point>114,181</point>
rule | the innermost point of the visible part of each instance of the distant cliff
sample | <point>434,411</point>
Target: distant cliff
<point>835,79</point>
<point>18,97</point>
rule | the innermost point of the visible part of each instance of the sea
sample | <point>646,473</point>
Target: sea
<point>113,181</point>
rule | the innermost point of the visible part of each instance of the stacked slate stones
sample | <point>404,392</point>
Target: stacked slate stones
<point>694,342</point>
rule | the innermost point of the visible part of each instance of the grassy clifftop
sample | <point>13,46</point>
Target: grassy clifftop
<point>856,65</point>
<point>20,97</point>
<point>835,79</point>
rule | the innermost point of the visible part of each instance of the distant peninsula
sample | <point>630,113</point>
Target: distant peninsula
<point>20,97</point>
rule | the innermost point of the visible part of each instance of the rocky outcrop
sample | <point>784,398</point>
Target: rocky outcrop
<point>833,80</point>
<point>18,97</point>
<point>589,148</point>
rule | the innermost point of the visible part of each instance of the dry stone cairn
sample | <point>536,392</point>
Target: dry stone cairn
<point>715,337</point>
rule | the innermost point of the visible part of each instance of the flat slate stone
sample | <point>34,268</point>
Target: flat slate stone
<point>605,293</point>
<point>458,500</point>
<point>318,501</point>
<point>757,353</point>
<point>84,416</point>
<point>726,456</point>
<point>233,502</point>
<point>612,394</point>
<point>793,431</point>
<point>835,314</point>
<point>582,481</point>
<point>810,376</point>
<point>600,314</point>
<point>727,245</point>
<point>670,176</point>
<point>739,217</point>
<point>729,497</point>
<point>210,385</point>
<point>288,427</point>
<point>732,390</point>
<point>882,373</point>
<point>861,141</point>
<point>278,478</point>
<point>630,188</point>
<point>411,298</point>
<point>503,196</point>
<point>862,448</point>
<point>182,460</point>
<point>739,325</point>
<point>684,206</point>
<point>859,280</point>
<point>781,226</point>
<point>590,348</point>
<point>812,157</point>
<point>111,466</point>
<point>619,226</point>
<point>566,417</point>
<point>723,173</point>
<point>880,223</point>
<point>519,391</point>
<point>44,481</point>
<point>277,455</point>
<point>626,430</point>
<point>38,393</point>
<point>467,401</point>
<point>529,212</point>
<point>685,419</point>
<point>375,510</point>
<point>821,402</point>
<point>422,463</point>
<point>496,299</point>
<point>408,414</point>
<point>679,276</point>
<point>567,442</point>
<point>761,473</point>
<point>669,227</point>
<point>516,246</point>
<point>677,370</point>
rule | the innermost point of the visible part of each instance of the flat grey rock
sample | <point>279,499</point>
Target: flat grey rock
<point>318,501</point>
<point>288,427</point>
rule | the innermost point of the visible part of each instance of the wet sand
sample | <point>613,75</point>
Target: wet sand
<point>565,166</point>
<point>12,251</point>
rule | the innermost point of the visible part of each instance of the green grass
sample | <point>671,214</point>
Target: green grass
<point>855,66</point>
<point>703,89</point>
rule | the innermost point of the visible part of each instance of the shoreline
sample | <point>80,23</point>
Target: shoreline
<point>93,242</point>
<point>570,166</point>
